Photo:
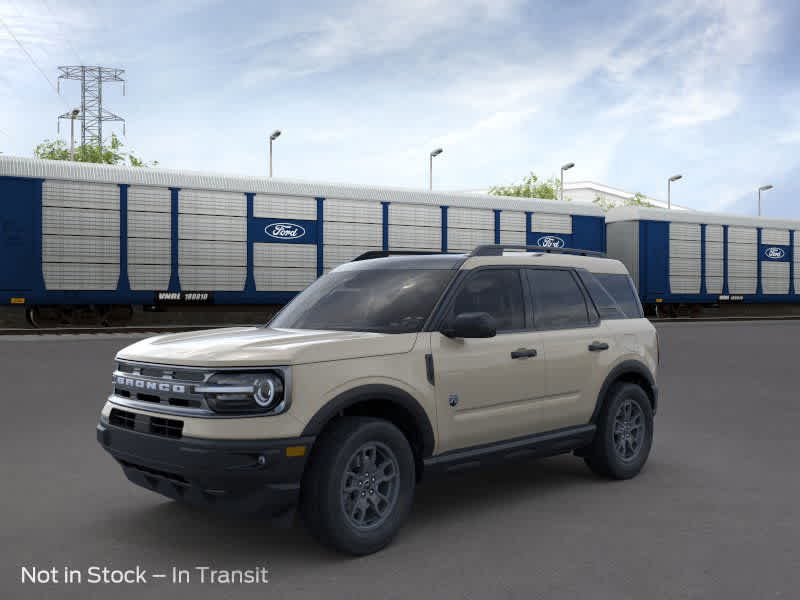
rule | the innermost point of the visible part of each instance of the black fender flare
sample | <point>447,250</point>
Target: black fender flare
<point>627,367</point>
<point>381,392</point>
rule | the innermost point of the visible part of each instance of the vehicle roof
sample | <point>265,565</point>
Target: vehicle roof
<point>509,258</point>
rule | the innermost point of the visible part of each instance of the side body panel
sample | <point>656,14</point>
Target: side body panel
<point>19,224</point>
<point>482,394</point>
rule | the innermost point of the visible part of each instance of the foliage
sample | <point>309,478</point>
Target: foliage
<point>606,204</point>
<point>530,187</point>
<point>111,154</point>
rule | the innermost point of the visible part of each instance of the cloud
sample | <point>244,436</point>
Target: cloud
<point>364,30</point>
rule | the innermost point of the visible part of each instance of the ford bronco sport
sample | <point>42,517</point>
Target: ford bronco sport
<point>383,371</point>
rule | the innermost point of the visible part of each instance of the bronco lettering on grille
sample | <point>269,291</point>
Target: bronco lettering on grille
<point>144,384</point>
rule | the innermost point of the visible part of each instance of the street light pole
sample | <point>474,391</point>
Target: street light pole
<point>763,188</point>
<point>669,183</point>
<point>73,113</point>
<point>436,152</point>
<point>275,135</point>
<point>565,167</point>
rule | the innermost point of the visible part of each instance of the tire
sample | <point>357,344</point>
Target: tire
<point>622,455</point>
<point>338,509</point>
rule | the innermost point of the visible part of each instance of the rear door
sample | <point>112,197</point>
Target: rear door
<point>17,214</point>
<point>575,342</point>
<point>488,389</point>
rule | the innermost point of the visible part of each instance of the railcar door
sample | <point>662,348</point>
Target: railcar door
<point>17,219</point>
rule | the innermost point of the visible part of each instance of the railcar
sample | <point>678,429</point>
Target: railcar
<point>80,238</point>
<point>691,260</point>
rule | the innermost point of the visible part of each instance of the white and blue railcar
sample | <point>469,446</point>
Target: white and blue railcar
<point>696,258</point>
<point>78,234</point>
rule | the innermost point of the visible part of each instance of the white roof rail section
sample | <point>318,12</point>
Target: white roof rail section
<point>14,166</point>
<point>636,213</point>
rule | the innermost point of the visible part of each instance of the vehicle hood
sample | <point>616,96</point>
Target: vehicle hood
<point>263,346</point>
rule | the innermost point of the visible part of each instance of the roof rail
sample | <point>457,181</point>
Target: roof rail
<point>498,249</point>
<point>370,254</point>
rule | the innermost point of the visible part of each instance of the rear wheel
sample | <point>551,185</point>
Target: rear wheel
<point>624,433</point>
<point>359,486</point>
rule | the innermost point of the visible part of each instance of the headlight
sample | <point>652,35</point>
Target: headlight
<point>245,393</point>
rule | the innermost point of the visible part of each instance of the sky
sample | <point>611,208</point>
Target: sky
<point>632,92</point>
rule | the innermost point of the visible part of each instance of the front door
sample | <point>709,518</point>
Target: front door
<point>487,389</point>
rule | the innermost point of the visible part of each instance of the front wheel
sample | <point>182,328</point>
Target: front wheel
<point>624,433</point>
<point>359,486</point>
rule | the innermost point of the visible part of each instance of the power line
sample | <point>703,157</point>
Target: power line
<point>30,57</point>
<point>66,31</point>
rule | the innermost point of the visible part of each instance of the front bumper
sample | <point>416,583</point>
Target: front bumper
<point>241,476</point>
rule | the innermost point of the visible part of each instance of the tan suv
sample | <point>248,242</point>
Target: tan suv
<point>386,370</point>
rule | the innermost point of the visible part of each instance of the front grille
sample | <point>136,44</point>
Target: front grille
<point>171,428</point>
<point>165,386</point>
<point>162,372</point>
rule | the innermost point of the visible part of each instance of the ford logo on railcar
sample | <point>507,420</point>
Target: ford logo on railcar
<point>776,253</point>
<point>285,231</point>
<point>550,241</point>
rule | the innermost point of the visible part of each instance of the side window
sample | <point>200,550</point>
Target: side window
<point>494,291</point>
<point>606,305</point>
<point>621,289</point>
<point>558,301</point>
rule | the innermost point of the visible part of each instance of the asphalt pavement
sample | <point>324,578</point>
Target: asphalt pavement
<point>713,515</point>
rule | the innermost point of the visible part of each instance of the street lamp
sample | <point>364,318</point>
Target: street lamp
<point>763,188</point>
<point>436,152</point>
<point>275,135</point>
<point>565,167</point>
<point>72,116</point>
<point>669,183</point>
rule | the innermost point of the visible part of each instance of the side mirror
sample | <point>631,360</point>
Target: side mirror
<point>471,325</point>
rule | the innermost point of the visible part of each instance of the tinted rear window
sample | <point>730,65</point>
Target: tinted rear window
<point>558,301</point>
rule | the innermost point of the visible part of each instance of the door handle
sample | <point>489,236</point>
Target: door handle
<point>523,353</point>
<point>597,346</point>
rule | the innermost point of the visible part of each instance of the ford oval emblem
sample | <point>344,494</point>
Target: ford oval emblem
<point>775,253</point>
<point>285,231</point>
<point>550,241</point>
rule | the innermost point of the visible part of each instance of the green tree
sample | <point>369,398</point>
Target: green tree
<point>530,187</point>
<point>111,154</point>
<point>606,204</point>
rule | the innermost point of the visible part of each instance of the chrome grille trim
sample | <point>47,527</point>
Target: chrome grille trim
<point>167,387</point>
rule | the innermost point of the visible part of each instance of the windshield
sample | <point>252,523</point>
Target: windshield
<point>380,300</point>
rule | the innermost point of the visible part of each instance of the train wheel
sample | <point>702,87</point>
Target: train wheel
<point>33,316</point>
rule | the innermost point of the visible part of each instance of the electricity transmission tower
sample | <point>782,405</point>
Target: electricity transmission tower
<point>92,114</point>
